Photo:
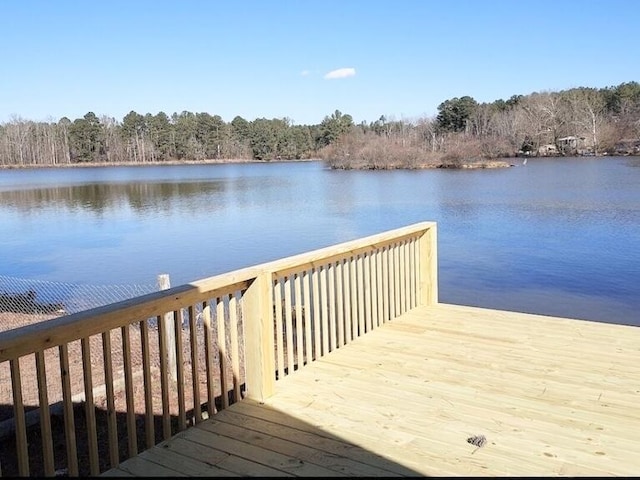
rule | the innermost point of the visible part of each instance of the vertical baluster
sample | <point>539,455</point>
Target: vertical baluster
<point>346,276</point>
<point>372,287</point>
<point>331,287</point>
<point>222,351</point>
<point>324,316</point>
<point>339,302</point>
<point>178,320</point>
<point>112,427</point>
<point>418,268</point>
<point>407,273</point>
<point>288,324</point>
<point>235,347</point>
<point>67,403</point>
<point>354,297</point>
<point>208,355</point>
<point>164,376</point>
<point>412,269</point>
<point>400,267</point>
<point>195,364</point>
<point>306,312</point>
<point>403,268</point>
<point>386,295</point>
<point>361,295</point>
<point>94,464</point>
<point>378,289</point>
<point>132,437</point>
<point>299,326</point>
<point>317,330</point>
<point>149,427</point>
<point>366,265</point>
<point>396,281</point>
<point>279,330</point>
<point>18,415</point>
<point>45,415</point>
<point>390,282</point>
<point>404,275</point>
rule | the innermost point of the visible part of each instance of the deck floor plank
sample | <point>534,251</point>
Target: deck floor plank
<point>552,396</point>
<point>118,472</point>
<point>294,449</point>
<point>177,456</point>
<point>455,424</point>
<point>278,424</point>
<point>473,404</point>
<point>240,457</point>
<point>142,467</point>
<point>595,397</point>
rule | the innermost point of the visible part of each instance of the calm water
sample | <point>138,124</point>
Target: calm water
<point>556,237</point>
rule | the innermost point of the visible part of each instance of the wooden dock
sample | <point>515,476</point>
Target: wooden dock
<point>339,361</point>
<point>551,396</point>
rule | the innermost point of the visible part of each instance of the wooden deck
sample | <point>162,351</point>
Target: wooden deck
<point>552,396</point>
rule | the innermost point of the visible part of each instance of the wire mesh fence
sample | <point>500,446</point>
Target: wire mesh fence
<point>36,300</point>
<point>209,362</point>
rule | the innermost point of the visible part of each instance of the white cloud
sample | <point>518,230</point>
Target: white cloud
<point>305,73</point>
<point>340,73</point>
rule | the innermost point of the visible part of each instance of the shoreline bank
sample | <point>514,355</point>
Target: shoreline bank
<point>151,164</point>
<point>470,165</point>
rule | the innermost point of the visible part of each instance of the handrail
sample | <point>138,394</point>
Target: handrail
<point>324,272</point>
<point>57,331</point>
<point>324,255</point>
<point>242,331</point>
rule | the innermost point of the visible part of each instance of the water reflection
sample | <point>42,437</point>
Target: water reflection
<point>100,197</point>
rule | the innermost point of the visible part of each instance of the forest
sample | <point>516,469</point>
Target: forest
<point>577,121</point>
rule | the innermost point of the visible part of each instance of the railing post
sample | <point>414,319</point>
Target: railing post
<point>429,266</point>
<point>170,334</point>
<point>257,317</point>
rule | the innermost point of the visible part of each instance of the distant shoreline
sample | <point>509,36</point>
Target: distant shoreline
<point>470,165</point>
<point>152,164</point>
<point>473,165</point>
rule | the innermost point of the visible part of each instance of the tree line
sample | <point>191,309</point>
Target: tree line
<point>575,121</point>
<point>156,138</point>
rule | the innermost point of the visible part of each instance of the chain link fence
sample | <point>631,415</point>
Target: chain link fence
<point>24,301</point>
<point>27,302</point>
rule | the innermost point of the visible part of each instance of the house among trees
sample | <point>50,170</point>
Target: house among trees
<point>547,150</point>
<point>573,145</point>
<point>627,146</point>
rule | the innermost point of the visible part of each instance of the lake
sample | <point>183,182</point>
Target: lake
<point>555,236</point>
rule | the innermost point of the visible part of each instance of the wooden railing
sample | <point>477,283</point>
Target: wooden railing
<point>231,335</point>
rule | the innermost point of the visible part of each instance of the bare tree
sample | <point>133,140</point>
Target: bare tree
<point>481,120</point>
<point>510,125</point>
<point>427,134</point>
<point>587,113</point>
<point>543,118</point>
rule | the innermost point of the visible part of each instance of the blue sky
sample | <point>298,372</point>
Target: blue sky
<point>272,59</point>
